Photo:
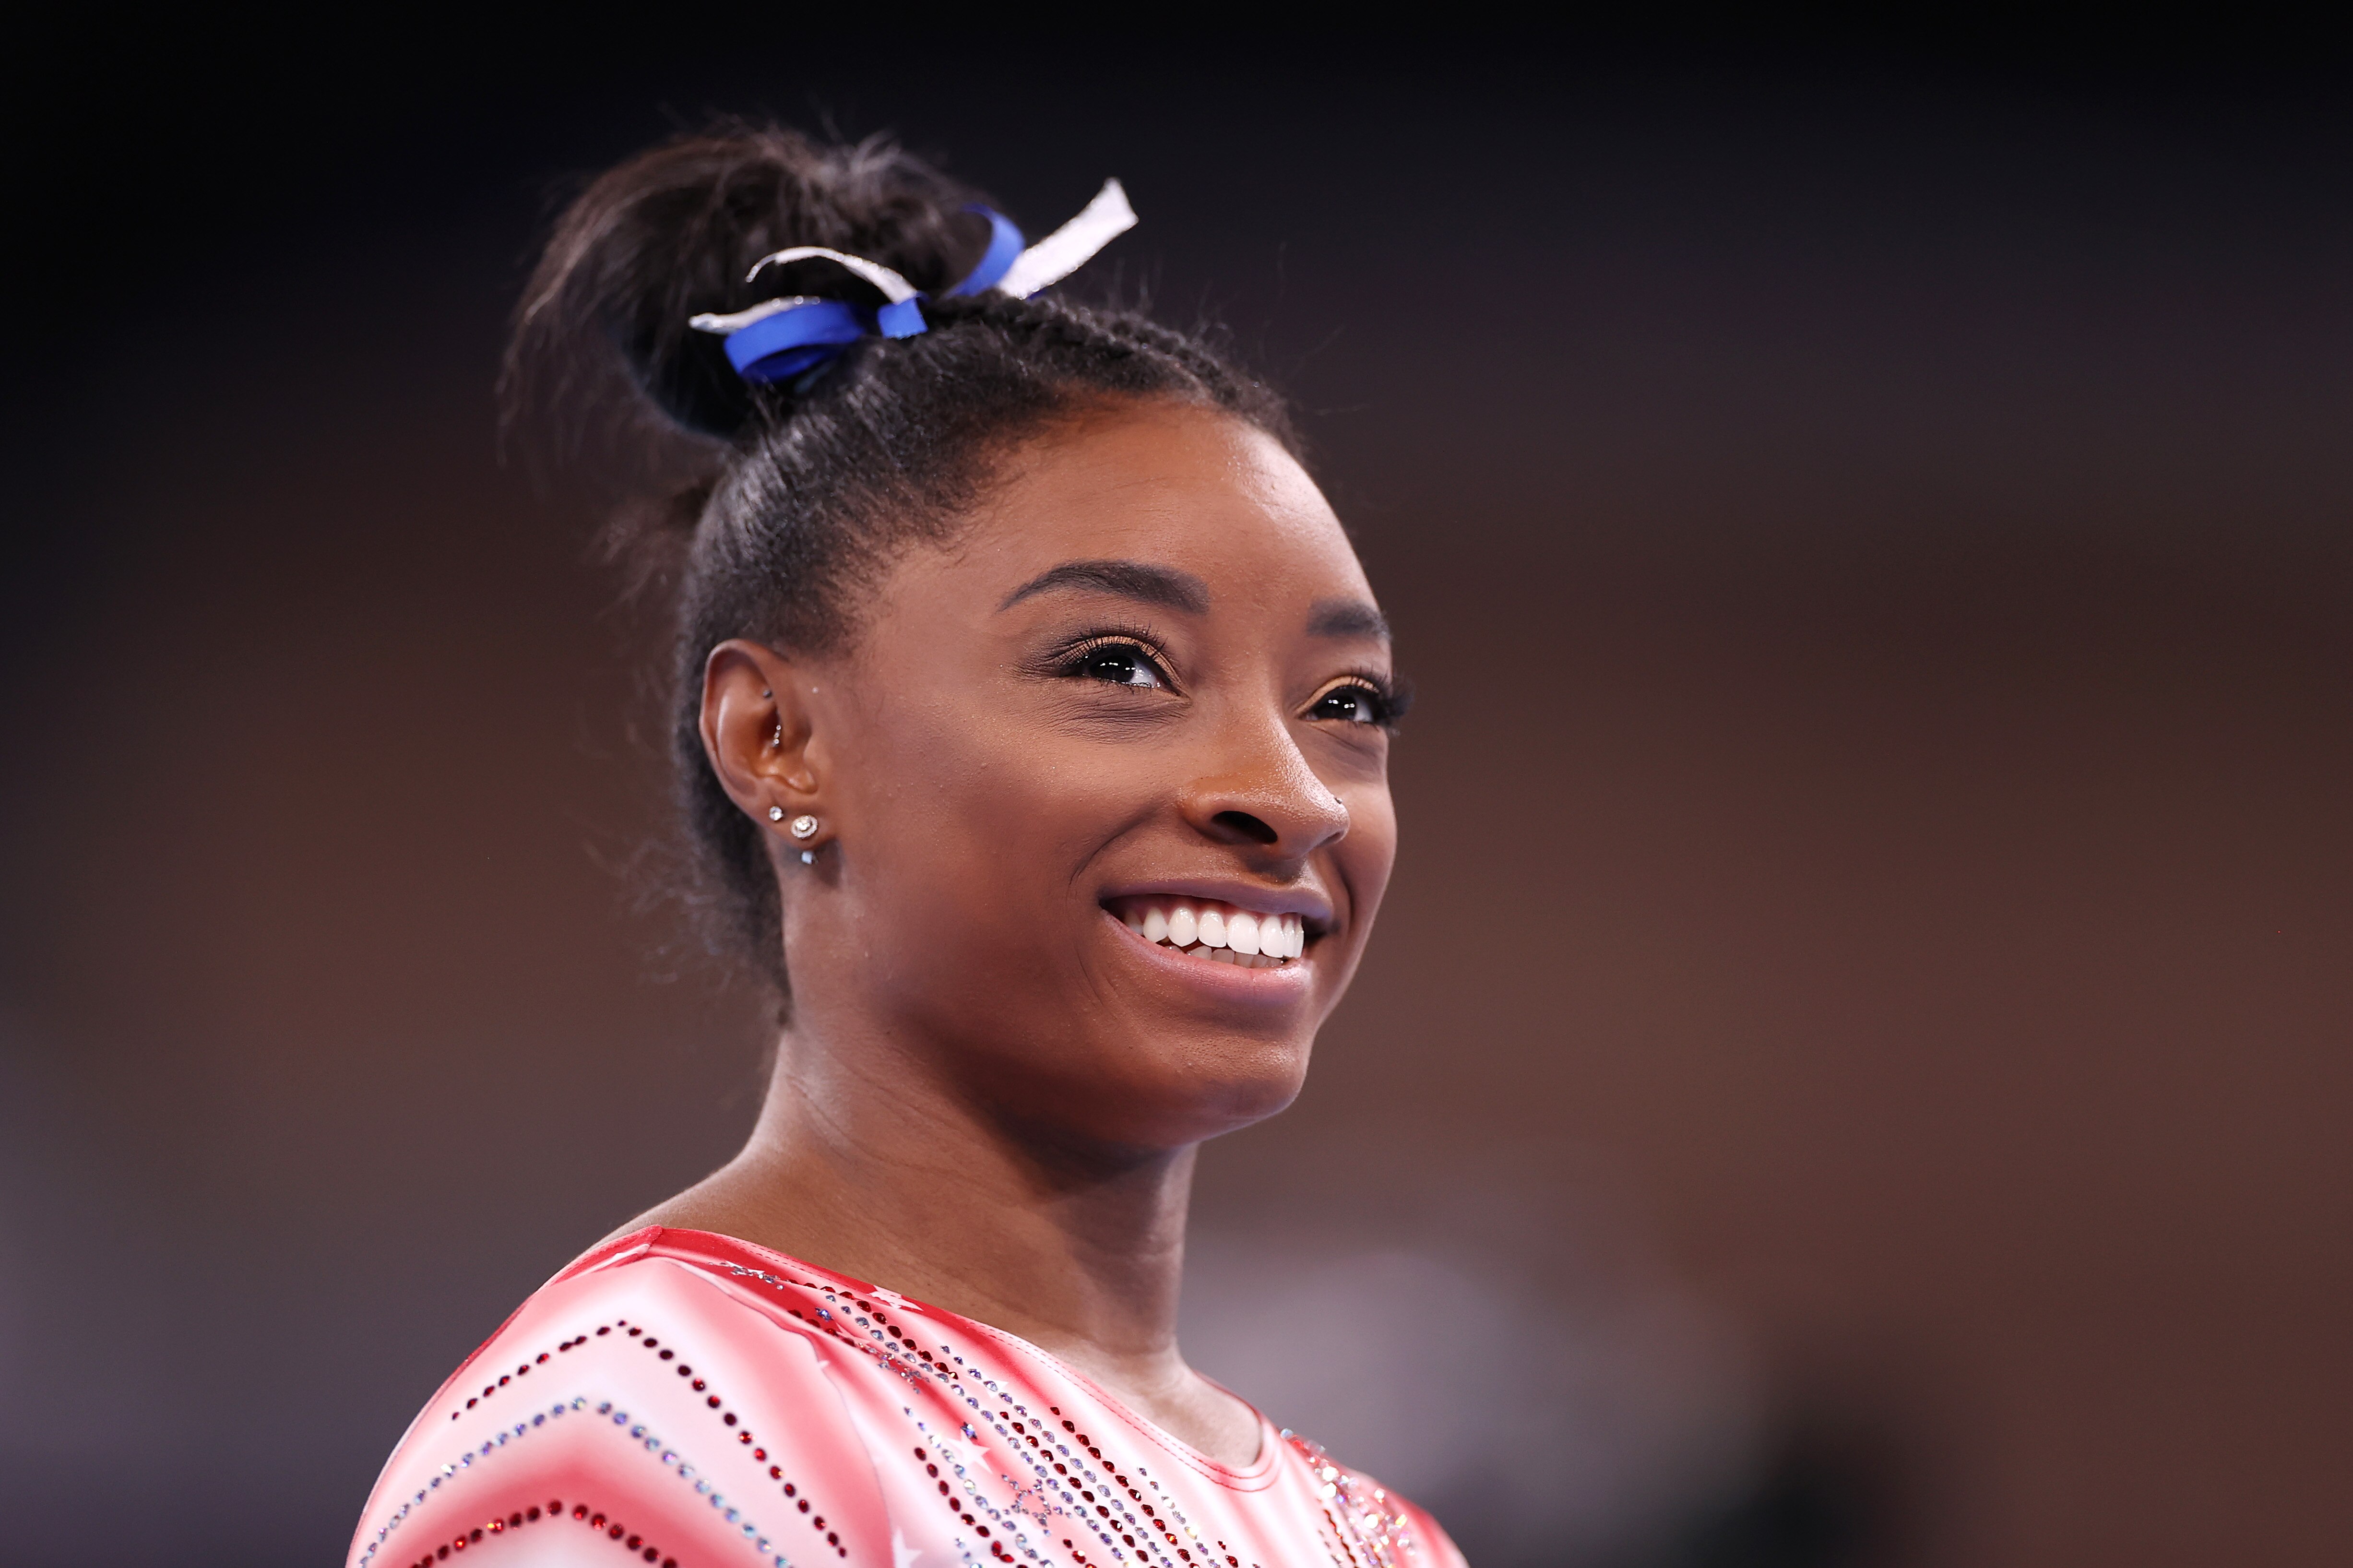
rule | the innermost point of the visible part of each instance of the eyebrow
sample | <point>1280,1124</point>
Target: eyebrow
<point>1137,580</point>
<point>1347,618</point>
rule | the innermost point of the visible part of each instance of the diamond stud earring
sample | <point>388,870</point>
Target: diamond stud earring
<point>803,826</point>
<point>775,814</point>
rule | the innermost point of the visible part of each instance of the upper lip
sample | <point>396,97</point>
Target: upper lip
<point>1304,902</point>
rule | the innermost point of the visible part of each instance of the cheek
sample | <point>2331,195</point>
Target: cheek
<point>975,829</point>
<point>1367,855</point>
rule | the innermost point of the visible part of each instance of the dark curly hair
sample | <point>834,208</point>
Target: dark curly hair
<point>817,483</point>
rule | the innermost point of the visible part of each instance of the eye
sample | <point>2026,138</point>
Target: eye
<point>1352,702</point>
<point>1121,662</point>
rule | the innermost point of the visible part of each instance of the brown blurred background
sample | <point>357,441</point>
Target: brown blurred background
<point>1855,1064</point>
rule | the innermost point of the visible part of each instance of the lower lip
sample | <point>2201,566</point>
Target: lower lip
<point>1229,979</point>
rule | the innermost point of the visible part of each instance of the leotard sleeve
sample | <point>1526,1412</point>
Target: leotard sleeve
<point>634,1409</point>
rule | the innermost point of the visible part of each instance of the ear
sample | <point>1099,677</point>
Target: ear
<point>756,728</point>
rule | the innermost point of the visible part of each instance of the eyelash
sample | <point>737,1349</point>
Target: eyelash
<point>1070,660</point>
<point>1390,697</point>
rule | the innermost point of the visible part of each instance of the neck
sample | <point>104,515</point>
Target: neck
<point>862,1163</point>
<point>902,1181</point>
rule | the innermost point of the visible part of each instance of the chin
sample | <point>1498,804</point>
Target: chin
<point>1205,1088</point>
<point>1183,1088</point>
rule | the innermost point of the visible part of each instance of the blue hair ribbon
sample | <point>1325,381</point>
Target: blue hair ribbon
<point>782,338</point>
<point>784,342</point>
<point>1004,248</point>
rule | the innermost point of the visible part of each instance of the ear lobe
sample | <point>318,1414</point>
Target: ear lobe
<point>756,730</point>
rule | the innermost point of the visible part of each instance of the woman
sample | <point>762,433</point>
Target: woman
<point>1033,718</point>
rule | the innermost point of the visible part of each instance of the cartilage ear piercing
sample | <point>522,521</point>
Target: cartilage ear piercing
<point>779,742</point>
<point>803,826</point>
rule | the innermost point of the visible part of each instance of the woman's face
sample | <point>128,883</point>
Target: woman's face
<point>1138,709</point>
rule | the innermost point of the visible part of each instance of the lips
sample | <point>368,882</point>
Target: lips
<point>1213,931</point>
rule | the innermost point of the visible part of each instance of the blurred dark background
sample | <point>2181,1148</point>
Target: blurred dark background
<point>1855,1066</point>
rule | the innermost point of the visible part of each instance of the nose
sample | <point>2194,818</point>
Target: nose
<point>1265,796</point>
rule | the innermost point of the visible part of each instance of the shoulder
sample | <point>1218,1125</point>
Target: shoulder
<point>660,1392</point>
<point>1375,1524</point>
<point>1421,1539</point>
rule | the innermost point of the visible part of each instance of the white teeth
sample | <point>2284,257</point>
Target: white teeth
<point>1218,931</point>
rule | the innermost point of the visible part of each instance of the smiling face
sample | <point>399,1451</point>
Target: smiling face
<point>1102,785</point>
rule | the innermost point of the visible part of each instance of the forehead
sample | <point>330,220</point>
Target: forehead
<point>1191,490</point>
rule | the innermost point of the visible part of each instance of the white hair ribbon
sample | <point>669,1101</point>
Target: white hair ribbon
<point>894,288</point>
<point>738,320</point>
<point>1072,245</point>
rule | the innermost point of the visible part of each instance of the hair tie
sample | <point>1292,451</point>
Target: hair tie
<point>778,339</point>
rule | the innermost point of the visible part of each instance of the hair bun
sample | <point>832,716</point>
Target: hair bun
<point>673,231</point>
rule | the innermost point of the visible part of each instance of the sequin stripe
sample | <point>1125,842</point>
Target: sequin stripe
<point>1047,1497</point>
<point>892,1346</point>
<point>1153,1526</point>
<point>1363,1528</point>
<point>1355,1550</point>
<point>1388,1537</point>
<point>1015,1433</point>
<point>464,1462</point>
<point>887,1344</point>
<point>524,1371</point>
<point>638,1335</point>
<point>612,1529</point>
<point>826,1322</point>
<point>729,1418</point>
<point>1010,1425</point>
<point>490,1389</point>
<point>973,1513</point>
<point>1387,1531</point>
<point>1149,1525</point>
<point>704,1488</point>
<point>652,1444</point>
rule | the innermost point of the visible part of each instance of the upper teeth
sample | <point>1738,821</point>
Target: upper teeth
<point>1200,922</point>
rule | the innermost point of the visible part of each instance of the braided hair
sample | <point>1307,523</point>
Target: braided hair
<point>817,483</point>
